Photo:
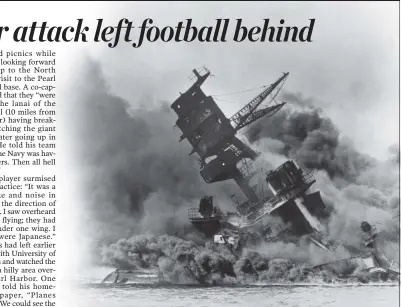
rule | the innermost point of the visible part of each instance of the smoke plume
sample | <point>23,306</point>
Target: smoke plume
<point>138,183</point>
<point>355,186</point>
<point>311,139</point>
<point>137,176</point>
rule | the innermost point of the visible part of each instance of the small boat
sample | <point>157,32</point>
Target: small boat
<point>122,277</point>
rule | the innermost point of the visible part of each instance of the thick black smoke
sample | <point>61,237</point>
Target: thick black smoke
<point>355,186</point>
<point>183,261</point>
<point>139,183</point>
<point>137,176</point>
<point>311,139</point>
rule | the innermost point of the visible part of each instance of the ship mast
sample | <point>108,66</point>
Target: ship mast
<point>213,136</point>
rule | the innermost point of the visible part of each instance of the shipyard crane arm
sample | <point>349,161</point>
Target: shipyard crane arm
<point>241,118</point>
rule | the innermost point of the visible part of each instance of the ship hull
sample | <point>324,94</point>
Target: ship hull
<point>208,227</point>
<point>120,277</point>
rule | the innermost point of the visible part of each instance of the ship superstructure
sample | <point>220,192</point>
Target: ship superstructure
<point>223,156</point>
<point>296,211</point>
<point>213,136</point>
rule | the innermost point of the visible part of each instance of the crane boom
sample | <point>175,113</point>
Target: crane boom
<point>242,115</point>
<point>260,113</point>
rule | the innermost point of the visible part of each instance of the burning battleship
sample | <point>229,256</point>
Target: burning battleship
<point>280,208</point>
<point>223,156</point>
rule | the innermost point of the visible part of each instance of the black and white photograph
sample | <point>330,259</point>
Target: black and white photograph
<point>233,153</point>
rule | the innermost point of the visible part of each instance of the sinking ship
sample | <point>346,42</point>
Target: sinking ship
<point>223,156</point>
<point>280,207</point>
<point>297,212</point>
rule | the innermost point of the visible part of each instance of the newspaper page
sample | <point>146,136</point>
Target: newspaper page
<point>199,154</point>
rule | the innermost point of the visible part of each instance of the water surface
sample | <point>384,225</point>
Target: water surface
<point>353,295</point>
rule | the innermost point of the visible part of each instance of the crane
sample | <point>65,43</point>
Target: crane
<point>249,113</point>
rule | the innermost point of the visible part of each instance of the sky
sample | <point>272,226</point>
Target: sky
<point>350,69</point>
